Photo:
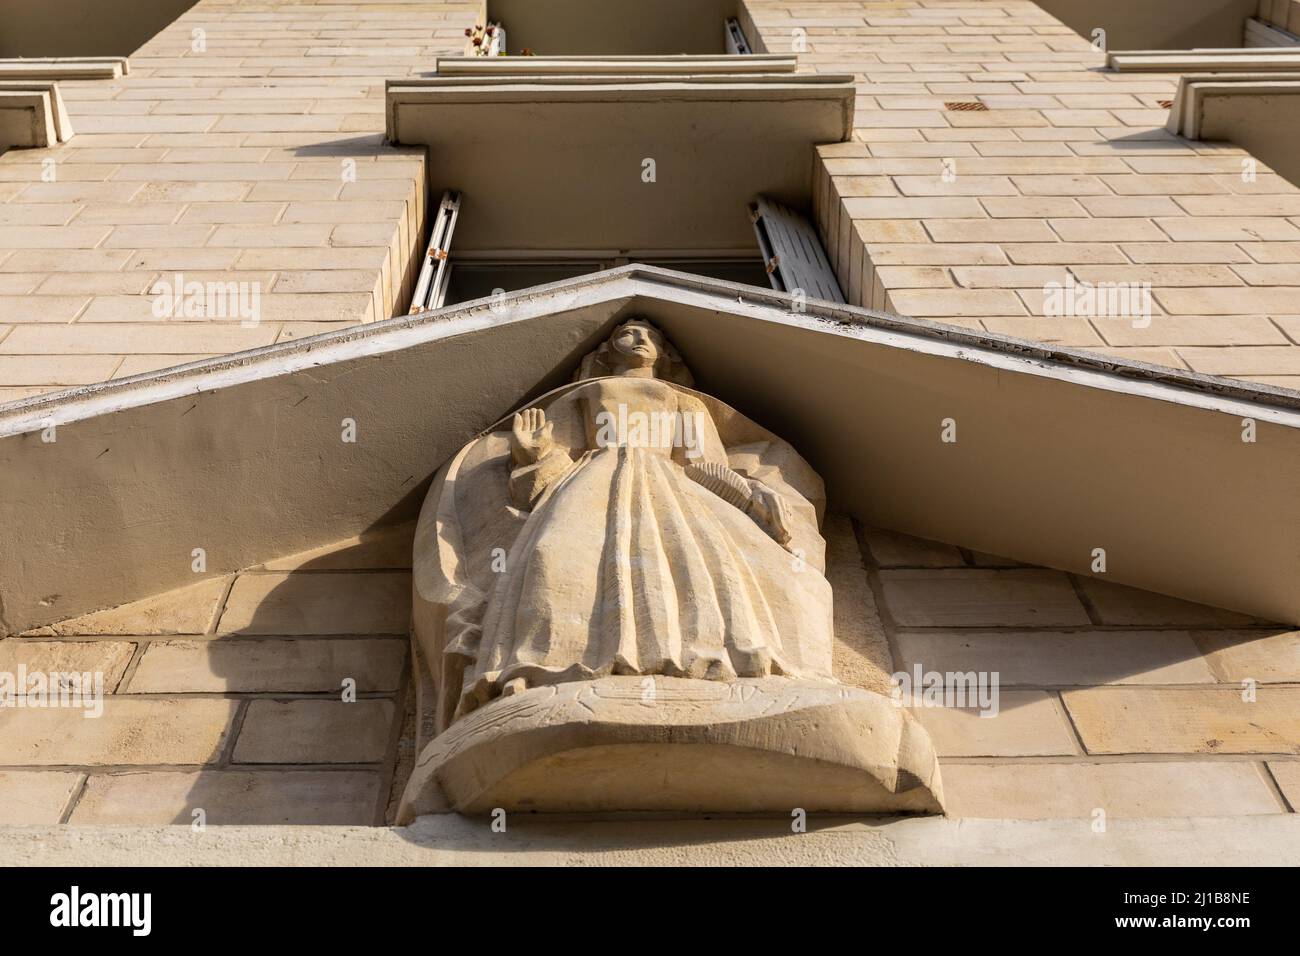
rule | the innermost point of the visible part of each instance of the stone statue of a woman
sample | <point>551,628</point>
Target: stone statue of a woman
<point>624,537</point>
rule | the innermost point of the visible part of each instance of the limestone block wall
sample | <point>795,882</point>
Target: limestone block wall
<point>964,215</point>
<point>227,696</point>
<point>1111,698</point>
<point>245,146</point>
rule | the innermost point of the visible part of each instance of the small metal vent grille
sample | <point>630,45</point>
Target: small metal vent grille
<point>966,107</point>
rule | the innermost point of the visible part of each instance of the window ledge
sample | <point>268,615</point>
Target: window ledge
<point>1189,117</point>
<point>685,65</point>
<point>616,162</point>
<point>64,68</point>
<point>1262,59</point>
<point>32,115</point>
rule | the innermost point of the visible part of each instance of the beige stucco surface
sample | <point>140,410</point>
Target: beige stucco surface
<point>1268,124</point>
<point>1157,24</point>
<point>574,145</point>
<point>75,28</point>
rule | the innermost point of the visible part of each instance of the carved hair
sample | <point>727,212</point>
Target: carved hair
<point>604,361</point>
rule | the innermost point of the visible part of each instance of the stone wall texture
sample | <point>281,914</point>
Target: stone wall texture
<point>245,145</point>
<point>227,696</point>
<point>1067,170</point>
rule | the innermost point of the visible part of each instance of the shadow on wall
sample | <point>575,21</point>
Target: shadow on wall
<point>1157,24</point>
<point>273,649</point>
<point>292,633</point>
<point>83,27</point>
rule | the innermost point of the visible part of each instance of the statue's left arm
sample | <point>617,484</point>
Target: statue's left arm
<point>768,508</point>
<point>758,474</point>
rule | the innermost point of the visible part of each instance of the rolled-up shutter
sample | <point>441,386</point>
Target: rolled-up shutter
<point>792,252</point>
<point>736,42</point>
<point>1261,35</point>
<point>435,272</point>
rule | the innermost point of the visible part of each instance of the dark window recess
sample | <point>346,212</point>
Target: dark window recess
<point>617,27</point>
<point>789,258</point>
<point>481,280</point>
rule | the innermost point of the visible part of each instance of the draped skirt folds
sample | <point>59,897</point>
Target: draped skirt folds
<point>627,566</point>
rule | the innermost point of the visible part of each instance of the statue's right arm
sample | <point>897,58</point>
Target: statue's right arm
<point>536,460</point>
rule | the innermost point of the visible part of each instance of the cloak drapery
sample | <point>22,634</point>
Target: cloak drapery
<point>609,556</point>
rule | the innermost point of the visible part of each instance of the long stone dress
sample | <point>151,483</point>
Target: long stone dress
<point>625,565</point>
<point>614,619</point>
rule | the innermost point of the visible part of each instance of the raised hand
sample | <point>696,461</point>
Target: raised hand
<point>530,437</point>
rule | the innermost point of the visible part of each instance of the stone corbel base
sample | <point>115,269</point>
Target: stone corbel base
<point>636,744</point>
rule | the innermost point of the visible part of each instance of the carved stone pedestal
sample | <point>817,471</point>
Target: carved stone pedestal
<point>664,744</point>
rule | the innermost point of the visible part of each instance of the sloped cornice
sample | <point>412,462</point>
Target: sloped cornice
<point>1058,452</point>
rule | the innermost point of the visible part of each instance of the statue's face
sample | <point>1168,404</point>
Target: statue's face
<point>637,346</point>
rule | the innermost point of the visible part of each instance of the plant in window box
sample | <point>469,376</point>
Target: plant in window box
<point>487,40</point>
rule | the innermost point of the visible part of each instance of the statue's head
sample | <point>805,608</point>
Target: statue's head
<point>636,344</point>
<point>636,348</point>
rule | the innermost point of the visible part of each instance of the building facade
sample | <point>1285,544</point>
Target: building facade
<point>1017,279</point>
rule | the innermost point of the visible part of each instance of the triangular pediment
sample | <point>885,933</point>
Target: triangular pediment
<point>1057,453</point>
